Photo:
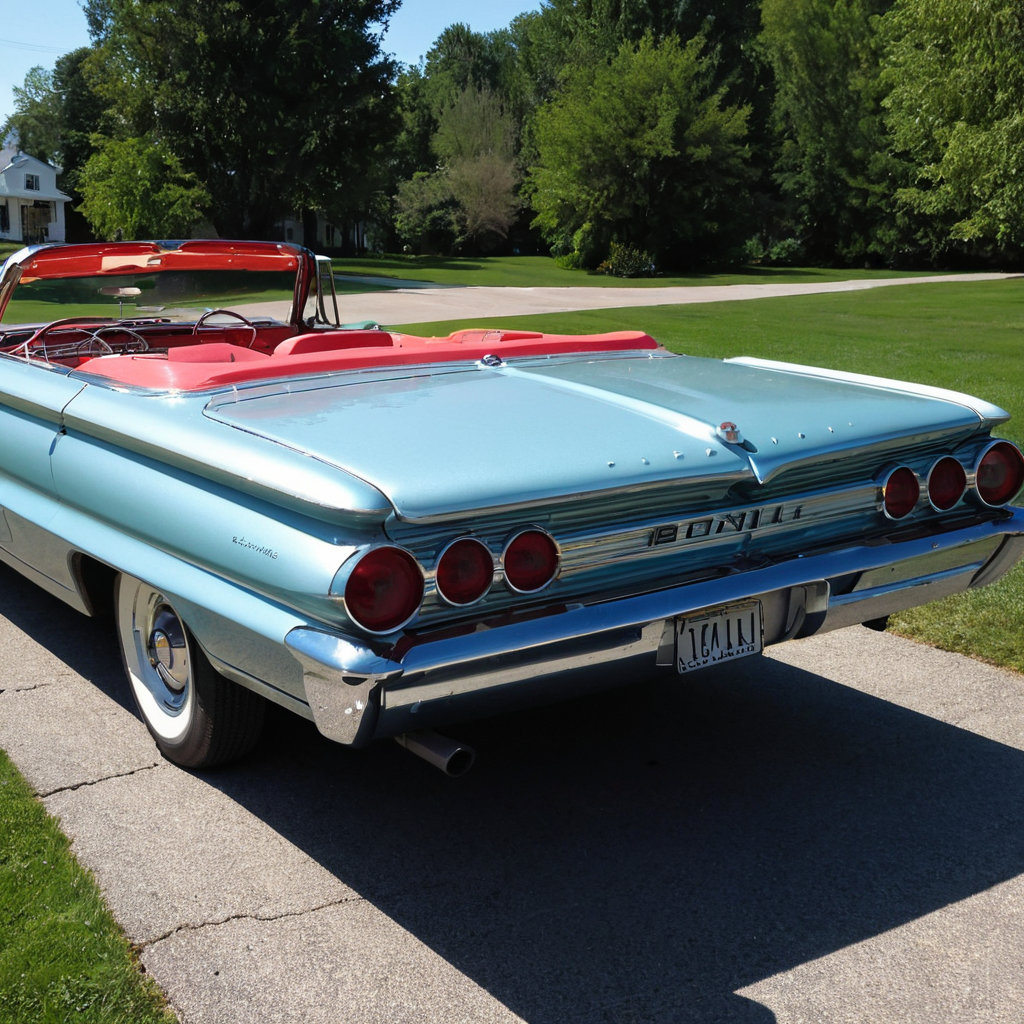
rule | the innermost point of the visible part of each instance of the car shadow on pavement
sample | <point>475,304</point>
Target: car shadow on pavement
<point>641,854</point>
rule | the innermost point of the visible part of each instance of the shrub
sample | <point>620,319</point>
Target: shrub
<point>754,250</point>
<point>785,252</point>
<point>570,260</point>
<point>626,260</point>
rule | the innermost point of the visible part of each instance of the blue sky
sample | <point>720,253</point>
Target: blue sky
<point>39,31</point>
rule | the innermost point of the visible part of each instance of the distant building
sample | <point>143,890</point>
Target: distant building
<point>352,238</point>
<point>31,207</point>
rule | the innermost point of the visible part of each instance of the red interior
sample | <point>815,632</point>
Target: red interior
<point>191,363</point>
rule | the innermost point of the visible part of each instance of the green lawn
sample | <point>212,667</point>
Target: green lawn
<point>542,271</point>
<point>969,337</point>
<point>62,957</point>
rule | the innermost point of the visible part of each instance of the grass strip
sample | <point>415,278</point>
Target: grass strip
<point>968,337</point>
<point>62,956</point>
<point>544,272</point>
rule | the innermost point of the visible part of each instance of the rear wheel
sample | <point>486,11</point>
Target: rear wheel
<point>197,717</point>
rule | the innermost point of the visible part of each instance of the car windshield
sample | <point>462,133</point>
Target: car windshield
<point>169,295</point>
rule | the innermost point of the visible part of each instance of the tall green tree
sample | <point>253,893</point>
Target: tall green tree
<point>639,151</point>
<point>832,162</point>
<point>569,34</point>
<point>37,122</point>
<point>956,115</point>
<point>273,105</point>
<point>81,115</point>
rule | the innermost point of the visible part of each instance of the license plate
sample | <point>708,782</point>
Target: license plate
<point>723,634</point>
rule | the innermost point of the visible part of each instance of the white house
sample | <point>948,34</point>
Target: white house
<point>31,206</point>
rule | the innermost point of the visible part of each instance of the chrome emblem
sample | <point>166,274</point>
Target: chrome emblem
<point>745,521</point>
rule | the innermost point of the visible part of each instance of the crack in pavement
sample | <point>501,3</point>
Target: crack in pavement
<point>96,782</point>
<point>26,689</point>
<point>139,946</point>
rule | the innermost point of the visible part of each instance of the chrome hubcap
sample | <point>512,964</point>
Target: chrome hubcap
<point>167,650</point>
<point>167,653</point>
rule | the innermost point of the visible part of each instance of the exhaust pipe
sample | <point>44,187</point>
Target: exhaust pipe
<point>452,757</point>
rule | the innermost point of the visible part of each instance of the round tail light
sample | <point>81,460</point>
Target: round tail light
<point>900,493</point>
<point>947,482</point>
<point>384,590</point>
<point>465,571</point>
<point>1000,473</point>
<point>530,561</point>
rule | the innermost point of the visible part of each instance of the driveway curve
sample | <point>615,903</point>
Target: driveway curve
<point>421,303</point>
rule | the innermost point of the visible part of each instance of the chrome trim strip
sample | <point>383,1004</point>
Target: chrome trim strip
<point>800,511</point>
<point>987,413</point>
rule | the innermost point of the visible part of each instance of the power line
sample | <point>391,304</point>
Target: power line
<point>34,47</point>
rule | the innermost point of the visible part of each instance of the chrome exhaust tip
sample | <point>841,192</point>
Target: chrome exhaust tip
<point>452,757</point>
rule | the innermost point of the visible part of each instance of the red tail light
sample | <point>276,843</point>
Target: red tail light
<point>900,492</point>
<point>1000,473</point>
<point>947,482</point>
<point>384,590</point>
<point>530,561</point>
<point>465,571</point>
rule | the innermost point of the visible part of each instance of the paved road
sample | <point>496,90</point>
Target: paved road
<point>419,304</point>
<point>834,832</point>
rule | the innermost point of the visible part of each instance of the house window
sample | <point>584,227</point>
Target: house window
<point>5,220</point>
<point>31,182</point>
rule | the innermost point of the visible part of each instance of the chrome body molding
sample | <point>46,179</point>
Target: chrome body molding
<point>357,693</point>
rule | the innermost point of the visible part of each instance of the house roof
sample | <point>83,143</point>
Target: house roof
<point>47,197</point>
<point>22,161</point>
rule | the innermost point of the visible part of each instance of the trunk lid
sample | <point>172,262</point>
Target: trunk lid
<point>448,440</point>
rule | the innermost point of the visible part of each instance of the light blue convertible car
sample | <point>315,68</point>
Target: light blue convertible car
<point>387,533</point>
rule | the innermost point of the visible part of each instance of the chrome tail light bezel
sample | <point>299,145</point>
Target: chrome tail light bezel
<point>975,490</point>
<point>965,490</point>
<point>510,540</point>
<point>437,567</point>
<point>344,577</point>
<point>883,481</point>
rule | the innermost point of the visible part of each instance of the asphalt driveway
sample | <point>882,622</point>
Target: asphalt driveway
<point>834,832</point>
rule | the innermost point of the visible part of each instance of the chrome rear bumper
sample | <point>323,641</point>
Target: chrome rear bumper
<point>356,695</point>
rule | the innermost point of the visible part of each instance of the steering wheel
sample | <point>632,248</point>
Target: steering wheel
<point>35,339</point>
<point>92,346</point>
<point>226,312</point>
<point>136,343</point>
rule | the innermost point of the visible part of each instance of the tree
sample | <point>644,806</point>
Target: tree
<point>956,114</point>
<point>470,198</point>
<point>136,188</point>
<point>273,105</point>
<point>827,109</point>
<point>37,122</point>
<point>81,114</point>
<point>637,150</point>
